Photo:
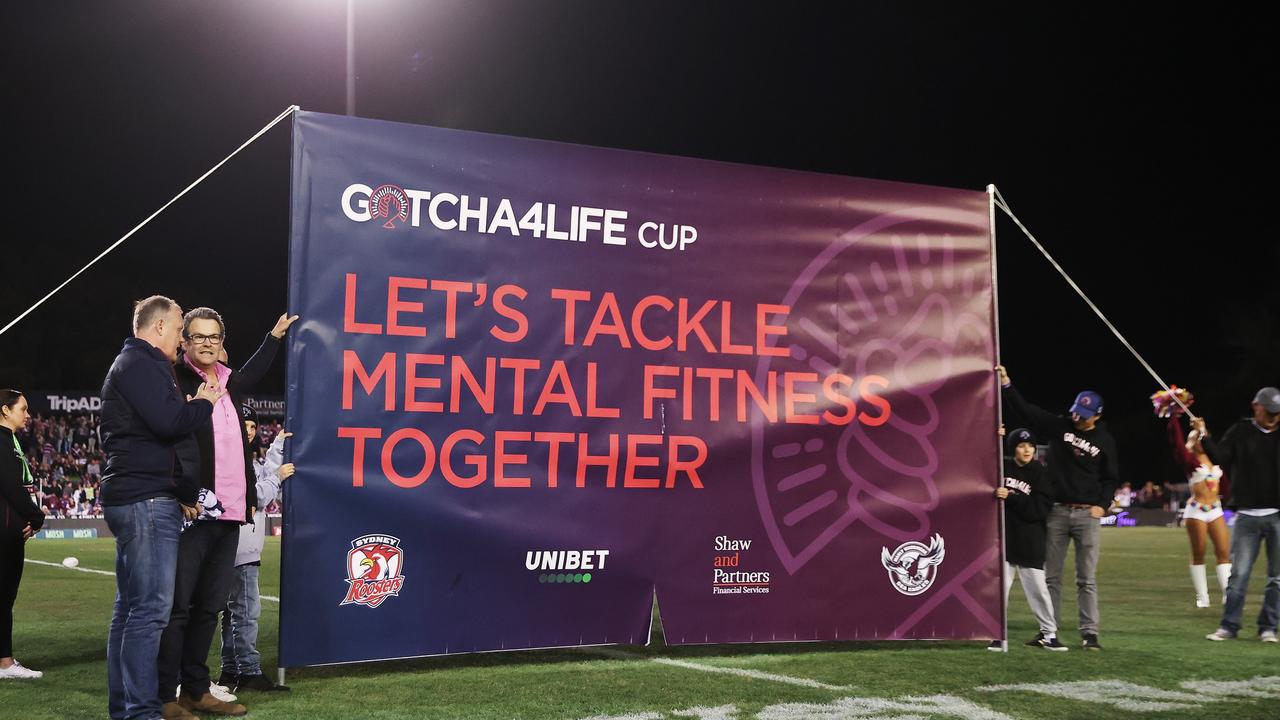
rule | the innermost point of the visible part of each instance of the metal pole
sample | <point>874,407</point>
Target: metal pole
<point>351,57</point>
<point>995,311</point>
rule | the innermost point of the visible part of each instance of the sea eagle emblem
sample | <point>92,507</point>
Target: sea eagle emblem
<point>912,566</point>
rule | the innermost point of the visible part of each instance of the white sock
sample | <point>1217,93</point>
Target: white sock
<point>1200,582</point>
<point>1224,574</point>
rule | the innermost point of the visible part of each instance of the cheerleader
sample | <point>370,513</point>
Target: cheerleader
<point>1203,515</point>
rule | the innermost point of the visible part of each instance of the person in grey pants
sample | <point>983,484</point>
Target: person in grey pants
<point>241,661</point>
<point>1084,472</point>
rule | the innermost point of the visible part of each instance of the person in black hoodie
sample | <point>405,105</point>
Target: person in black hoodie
<point>1084,473</point>
<point>220,459</point>
<point>1027,500</point>
<point>144,417</point>
<point>21,520</point>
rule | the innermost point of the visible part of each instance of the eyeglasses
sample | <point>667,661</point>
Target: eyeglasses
<point>205,339</point>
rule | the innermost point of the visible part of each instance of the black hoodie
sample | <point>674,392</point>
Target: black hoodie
<point>1025,511</point>
<point>1083,468</point>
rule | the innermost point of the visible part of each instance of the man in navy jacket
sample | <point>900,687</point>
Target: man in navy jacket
<point>144,417</point>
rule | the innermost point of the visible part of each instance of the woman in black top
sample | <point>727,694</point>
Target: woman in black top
<point>20,518</point>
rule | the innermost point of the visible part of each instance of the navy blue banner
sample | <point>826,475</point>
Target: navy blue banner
<point>535,383</point>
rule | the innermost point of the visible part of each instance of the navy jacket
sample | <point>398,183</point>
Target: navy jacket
<point>144,417</point>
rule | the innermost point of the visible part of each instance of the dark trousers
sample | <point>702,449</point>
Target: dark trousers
<point>11,552</point>
<point>206,565</point>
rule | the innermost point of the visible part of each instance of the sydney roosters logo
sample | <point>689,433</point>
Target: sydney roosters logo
<point>374,566</point>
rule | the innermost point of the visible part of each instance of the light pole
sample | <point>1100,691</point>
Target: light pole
<point>351,57</point>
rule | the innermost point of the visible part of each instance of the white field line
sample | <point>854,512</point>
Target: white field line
<point>272,598</point>
<point>1170,556</point>
<point>740,672</point>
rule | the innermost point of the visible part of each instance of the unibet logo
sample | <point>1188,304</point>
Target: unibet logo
<point>565,559</point>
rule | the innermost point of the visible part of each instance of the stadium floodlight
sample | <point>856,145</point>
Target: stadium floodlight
<point>351,57</point>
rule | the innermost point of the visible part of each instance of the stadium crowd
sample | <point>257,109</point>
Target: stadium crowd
<point>64,452</point>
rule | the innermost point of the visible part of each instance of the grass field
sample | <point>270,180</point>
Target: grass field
<point>1151,631</point>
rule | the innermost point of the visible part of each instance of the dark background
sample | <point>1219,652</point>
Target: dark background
<point>1129,139</point>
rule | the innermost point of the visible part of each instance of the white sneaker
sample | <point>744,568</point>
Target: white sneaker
<point>17,671</point>
<point>1268,636</point>
<point>1202,602</point>
<point>1220,634</point>
<point>221,692</point>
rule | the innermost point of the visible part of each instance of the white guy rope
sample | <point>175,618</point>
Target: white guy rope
<point>1000,203</point>
<point>288,111</point>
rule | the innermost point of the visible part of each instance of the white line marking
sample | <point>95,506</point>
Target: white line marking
<point>64,567</point>
<point>741,672</point>
<point>272,598</point>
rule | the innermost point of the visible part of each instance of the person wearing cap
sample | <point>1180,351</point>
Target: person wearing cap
<point>1083,472</point>
<point>1027,501</point>
<point>1250,452</point>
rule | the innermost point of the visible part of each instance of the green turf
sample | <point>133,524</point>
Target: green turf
<point>1151,630</point>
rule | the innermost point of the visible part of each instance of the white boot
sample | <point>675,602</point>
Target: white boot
<point>1224,574</point>
<point>1201,584</point>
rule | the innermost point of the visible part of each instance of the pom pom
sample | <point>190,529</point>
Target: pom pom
<point>1164,404</point>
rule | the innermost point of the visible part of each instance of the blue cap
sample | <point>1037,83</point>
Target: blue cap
<point>1088,403</point>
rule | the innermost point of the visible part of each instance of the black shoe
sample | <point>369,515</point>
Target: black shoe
<point>260,683</point>
<point>1037,641</point>
<point>996,646</point>
<point>1056,645</point>
<point>229,680</point>
<point>1091,642</point>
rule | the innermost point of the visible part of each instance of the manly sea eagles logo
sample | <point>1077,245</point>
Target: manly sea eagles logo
<point>373,570</point>
<point>913,567</point>
<point>390,203</point>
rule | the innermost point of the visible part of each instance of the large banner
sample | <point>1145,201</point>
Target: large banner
<point>535,384</point>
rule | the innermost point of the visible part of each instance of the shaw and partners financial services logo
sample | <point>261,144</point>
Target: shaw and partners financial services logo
<point>912,566</point>
<point>374,566</point>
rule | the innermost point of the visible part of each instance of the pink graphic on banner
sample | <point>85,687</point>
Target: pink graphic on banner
<point>880,475</point>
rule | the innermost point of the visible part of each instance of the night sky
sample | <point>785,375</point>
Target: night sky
<point>1131,141</point>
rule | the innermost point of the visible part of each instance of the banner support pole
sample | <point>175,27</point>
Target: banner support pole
<point>995,334</point>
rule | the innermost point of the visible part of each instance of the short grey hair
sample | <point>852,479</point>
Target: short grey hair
<point>202,313</point>
<point>147,312</point>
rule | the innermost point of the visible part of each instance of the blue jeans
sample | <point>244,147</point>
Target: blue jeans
<point>1247,538</point>
<point>146,535</point>
<point>240,625</point>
